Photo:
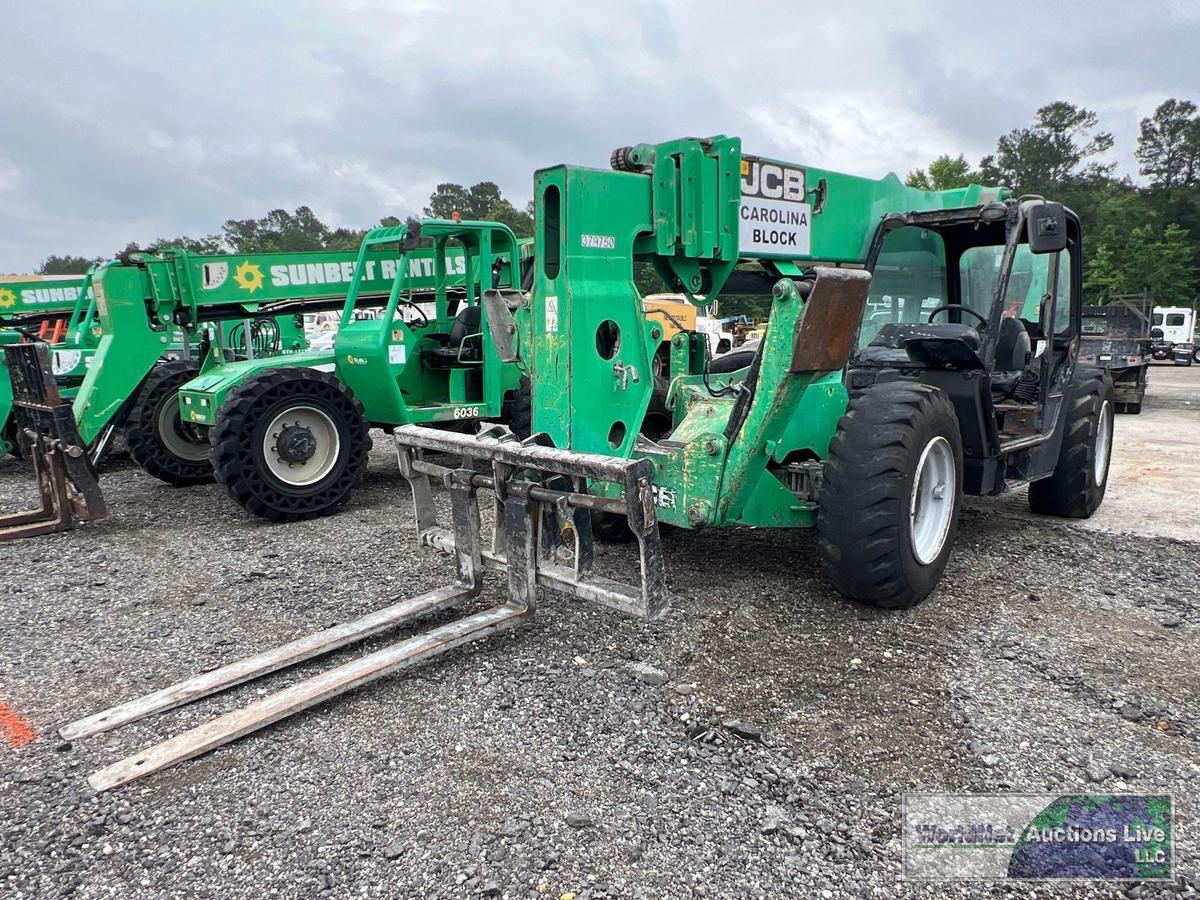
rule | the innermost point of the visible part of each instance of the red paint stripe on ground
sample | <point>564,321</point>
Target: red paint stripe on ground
<point>15,730</point>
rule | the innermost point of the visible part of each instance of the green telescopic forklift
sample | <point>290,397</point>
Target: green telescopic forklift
<point>964,380</point>
<point>290,434</point>
<point>921,346</point>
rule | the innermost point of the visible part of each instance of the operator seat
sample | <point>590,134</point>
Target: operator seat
<point>935,345</point>
<point>463,346</point>
<point>1013,352</point>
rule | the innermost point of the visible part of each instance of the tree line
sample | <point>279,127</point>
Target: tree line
<point>280,231</point>
<point>1137,236</point>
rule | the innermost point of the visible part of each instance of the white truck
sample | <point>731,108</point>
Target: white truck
<point>1172,335</point>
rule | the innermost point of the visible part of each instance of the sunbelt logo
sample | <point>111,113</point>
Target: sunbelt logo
<point>299,274</point>
<point>250,277</point>
<point>43,296</point>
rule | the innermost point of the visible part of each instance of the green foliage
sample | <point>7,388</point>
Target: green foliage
<point>64,265</point>
<point>210,244</point>
<point>944,173</point>
<point>1059,149</point>
<point>1148,258</point>
<point>1168,148</point>
<point>480,201</point>
<point>278,231</point>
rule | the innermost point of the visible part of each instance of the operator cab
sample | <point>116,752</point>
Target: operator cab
<point>429,343</point>
<point>982,302</point>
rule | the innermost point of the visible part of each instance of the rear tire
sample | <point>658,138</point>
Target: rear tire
<point>325,455</point>
<point>892,490</point>
<point>731,362</point>
<point>157,438</point>
<point>1076,488</point>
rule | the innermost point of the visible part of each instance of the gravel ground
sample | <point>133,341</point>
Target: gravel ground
<point>755,743</point>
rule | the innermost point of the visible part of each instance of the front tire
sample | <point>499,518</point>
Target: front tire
<point>892,490</point>
<point>291,444</point>
<point>157,438</point>
<point>517,409</point>
<point>1080,478</point>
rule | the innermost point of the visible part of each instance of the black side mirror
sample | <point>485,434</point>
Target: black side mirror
<point>1047,224</point>
<point>412,237</point>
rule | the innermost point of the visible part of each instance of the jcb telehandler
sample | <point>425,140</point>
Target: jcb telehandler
<point>964,378</point>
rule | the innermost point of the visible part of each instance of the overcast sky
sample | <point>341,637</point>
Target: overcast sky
<point>127,121</point>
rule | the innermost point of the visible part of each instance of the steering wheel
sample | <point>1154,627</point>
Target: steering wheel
<point>962,308</point>
<point>424,323</point>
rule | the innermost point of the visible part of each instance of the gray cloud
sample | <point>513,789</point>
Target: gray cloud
<point>143,124</point>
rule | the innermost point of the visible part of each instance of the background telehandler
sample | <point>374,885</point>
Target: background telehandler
<point>290,433</point>
<point>74,335</point>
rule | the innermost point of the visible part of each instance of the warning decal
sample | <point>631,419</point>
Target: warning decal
<point>774,219</point>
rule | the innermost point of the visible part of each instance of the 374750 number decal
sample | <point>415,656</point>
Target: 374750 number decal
<point>466,412</point>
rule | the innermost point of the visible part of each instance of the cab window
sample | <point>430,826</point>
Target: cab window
<point>1028,282</point>
<point>908,282</point>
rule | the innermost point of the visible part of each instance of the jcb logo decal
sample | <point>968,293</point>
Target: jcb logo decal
<point>772,181</point>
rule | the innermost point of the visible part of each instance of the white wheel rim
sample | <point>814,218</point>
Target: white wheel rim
<point>324,434</point>
<point>1103,442</point>
<point>931,507</point>
<point>169,425</point>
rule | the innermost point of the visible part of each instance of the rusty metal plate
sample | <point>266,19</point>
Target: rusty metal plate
<point>827,331</point>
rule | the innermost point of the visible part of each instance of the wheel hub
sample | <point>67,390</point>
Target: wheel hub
<point>301,445</point>
<point>931,506</point>
<point>296,444</point>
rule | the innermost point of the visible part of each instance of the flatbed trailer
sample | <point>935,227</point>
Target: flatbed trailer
<point>1116,337</point>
